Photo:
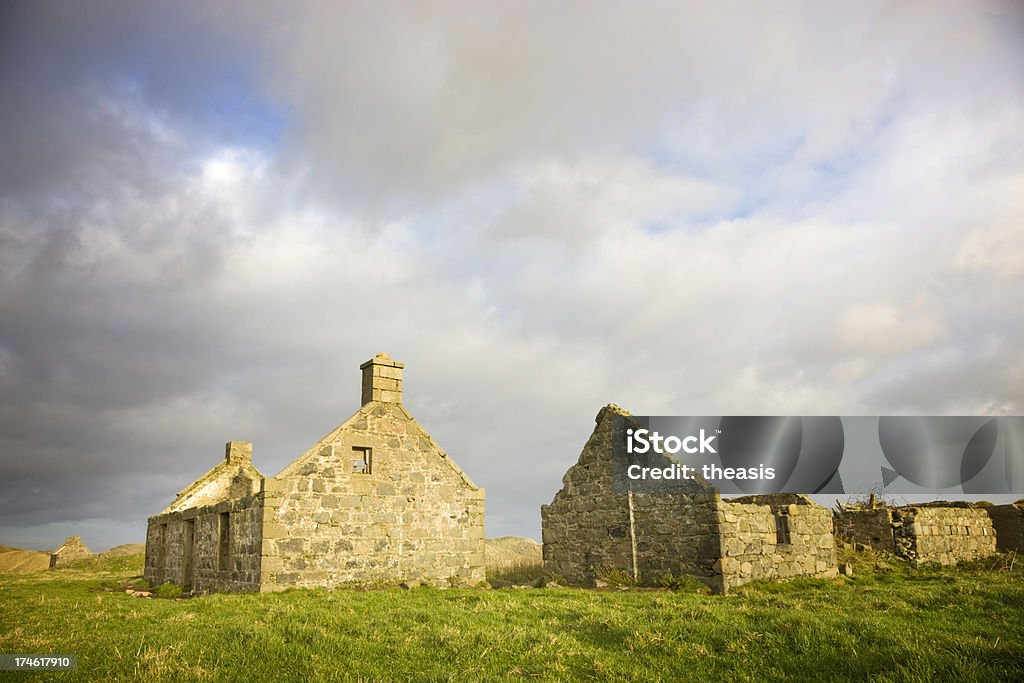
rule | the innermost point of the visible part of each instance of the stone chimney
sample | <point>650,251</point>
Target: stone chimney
<point>382,379</point>
<point>238,452</point>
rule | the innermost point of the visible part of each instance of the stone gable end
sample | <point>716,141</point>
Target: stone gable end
<point>414,515</point>
<point>590,531</point>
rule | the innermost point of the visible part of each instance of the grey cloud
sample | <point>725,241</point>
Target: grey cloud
<point>537,214</point>
<point>71,71</point>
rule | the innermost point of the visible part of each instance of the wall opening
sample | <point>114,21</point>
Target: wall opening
<point>224,544</point>
<point>362,460</point>
<point>782,528</point>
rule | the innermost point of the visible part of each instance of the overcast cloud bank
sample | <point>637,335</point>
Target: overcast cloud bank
<point>210,215</point>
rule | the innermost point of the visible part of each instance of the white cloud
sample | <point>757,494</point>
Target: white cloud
<point>884,329</point>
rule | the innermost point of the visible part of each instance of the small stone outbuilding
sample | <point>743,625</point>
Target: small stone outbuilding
<point>72,549</point>
<point>933,533</point>
<point>589,528</point>
<point>376,500</point>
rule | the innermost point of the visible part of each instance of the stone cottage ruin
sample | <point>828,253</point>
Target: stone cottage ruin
<point>589,529</point>
<point>933,533</point>
<point>375,500</point>
<point>72,549</point>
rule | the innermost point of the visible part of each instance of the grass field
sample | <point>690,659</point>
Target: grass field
<point>893,624</point>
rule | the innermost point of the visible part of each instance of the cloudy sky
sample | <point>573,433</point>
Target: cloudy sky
<point>211,214</point>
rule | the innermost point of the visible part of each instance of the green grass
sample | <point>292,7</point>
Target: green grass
<point>897,624</point>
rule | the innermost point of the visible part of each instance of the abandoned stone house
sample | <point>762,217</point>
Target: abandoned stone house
<point>934,533</point>
<point>375,500</point>
<point>589,528</point>
<point>72,549</point>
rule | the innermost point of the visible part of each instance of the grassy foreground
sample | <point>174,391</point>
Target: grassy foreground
<point>894,624</point>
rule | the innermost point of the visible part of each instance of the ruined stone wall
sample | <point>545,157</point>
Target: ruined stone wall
<point>1008,524</point>
<point>186,547</point>
<point>871,528</point>
<point>943,535</point>
<point>414,517</point>
<point>775,536</point>
<point>156,566</point>
<point>678,534</point>
<point>587,525</point>
<point>589,529</point>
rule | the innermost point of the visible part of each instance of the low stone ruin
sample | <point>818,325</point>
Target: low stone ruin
<point>73,549</point>
<point>938,533</point>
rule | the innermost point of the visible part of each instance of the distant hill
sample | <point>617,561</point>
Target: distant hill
<point>15,560</point>
<point>126,549</point>
<point>511,551</point>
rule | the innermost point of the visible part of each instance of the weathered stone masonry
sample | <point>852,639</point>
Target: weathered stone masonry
<point>943,535</point>
<point>776,536</point>
<point>937,533</point>
<point>415,516</point>
<point>723,543</point>
<point>211,548</point>
<point>208,539</point>
<point>376,500</point>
